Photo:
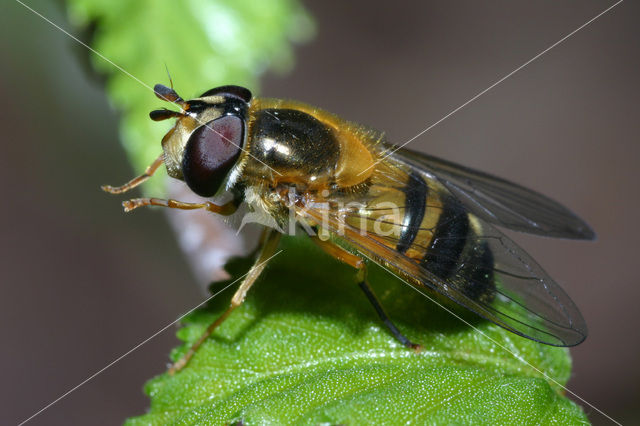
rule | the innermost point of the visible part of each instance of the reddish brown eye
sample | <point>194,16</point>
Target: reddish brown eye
<point>211,152</point>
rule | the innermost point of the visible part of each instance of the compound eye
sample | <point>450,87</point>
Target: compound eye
<point>211,152</point>
<point>229,92</point>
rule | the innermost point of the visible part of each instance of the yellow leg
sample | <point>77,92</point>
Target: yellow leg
<point>266,253</point>
<point>224,209</point>
<point>137,180</point>
<point>361,277</point>
<point>343,256</point>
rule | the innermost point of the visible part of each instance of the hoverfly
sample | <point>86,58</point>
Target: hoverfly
<point>342,180</point>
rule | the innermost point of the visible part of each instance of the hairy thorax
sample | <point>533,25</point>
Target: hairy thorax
<point>293,144</point>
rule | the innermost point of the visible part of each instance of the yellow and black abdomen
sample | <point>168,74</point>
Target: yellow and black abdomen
<point>421,220</point>
<point>440,234</point>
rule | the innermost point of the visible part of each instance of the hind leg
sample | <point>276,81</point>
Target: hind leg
<point>361,278</point>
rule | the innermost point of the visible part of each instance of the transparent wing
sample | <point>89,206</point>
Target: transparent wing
<point>524,299</point>
<point>527,301</point>
<point>498,201</point>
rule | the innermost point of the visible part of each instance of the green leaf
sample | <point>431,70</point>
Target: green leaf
<point>307,348</point>
<point>203,43</point>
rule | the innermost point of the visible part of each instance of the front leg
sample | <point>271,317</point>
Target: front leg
<point>137,180</point>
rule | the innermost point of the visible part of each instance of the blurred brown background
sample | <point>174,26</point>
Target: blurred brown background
<point>82,283</point>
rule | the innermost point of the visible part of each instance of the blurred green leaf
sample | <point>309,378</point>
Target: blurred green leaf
<point>307,348</point>
<point>203,43</point>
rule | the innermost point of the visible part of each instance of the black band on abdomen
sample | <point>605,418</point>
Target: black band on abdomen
<point>416,192</point>
<point>449,239</point>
